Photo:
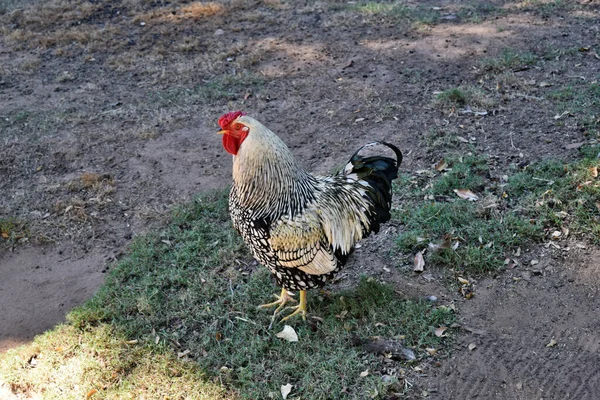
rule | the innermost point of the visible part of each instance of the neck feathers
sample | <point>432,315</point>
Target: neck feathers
<point>265,174</point>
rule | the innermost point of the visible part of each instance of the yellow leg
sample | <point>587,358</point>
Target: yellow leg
<point>300,308</point>
<point>280,302</point>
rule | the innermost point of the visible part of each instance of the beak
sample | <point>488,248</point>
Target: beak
<point>221,132</point>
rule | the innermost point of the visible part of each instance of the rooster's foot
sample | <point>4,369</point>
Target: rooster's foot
<point>300,308</point>
<point>280,302</point>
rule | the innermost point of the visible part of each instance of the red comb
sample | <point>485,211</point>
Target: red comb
<point>228,118</point>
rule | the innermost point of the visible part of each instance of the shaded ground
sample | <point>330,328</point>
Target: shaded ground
<point>108,119</point>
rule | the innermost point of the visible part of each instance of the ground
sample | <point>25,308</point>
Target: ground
<point>108,120</point>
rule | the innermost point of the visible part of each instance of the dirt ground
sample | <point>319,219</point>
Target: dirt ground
<point>108,120</point>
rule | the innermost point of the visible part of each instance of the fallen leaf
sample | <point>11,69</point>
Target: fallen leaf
<point>466,194</point>
<point>247,95</point>
<point>462,139</point>
<point>359,119</point>
<point>183,353</point>
<point>441,165</point>
<point>552,343</point>
<point>134,341</point>
<point>463,281</point>
<point>285,390</point>
<point>472,346</point>
<point>364,373</point>
<point>218,336</point>
<point>446,244</point>
<point>288,333</point>
<point>91,393</point>
<point>431,351</point>
<point>439,332</point>
<point>5,235</point>
<point>419,262</point>
<point>594,171</point>
<point>572,146</point>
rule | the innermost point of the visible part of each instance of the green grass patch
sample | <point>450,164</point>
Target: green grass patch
<point>582,100</point>
<point>192,290</point>
<point>534,203</point>
<point>561,195</point>
<point>509,59</point>
<point>464,96</point>
<point>12,229</point>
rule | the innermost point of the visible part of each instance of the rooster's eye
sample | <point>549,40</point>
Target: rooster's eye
<point>237,126</point>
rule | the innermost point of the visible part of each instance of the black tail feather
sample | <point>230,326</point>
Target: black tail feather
<point>378,172</point>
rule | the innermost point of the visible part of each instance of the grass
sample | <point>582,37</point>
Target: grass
<point>582,100</point>
<point>432,213</point>
<point>464,96</point>
<point>12,229</point>
<point>561,195</point>
<point>509,59</point>
<point>191,290</point>
<point>529,207</point>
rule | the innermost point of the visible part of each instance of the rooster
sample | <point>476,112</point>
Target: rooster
<point>301,226</point>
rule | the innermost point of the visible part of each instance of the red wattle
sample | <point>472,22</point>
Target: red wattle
<point>231,143</point>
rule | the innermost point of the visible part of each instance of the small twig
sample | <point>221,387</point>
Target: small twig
<point>246,320</point>
<point>550,182</point>
<point>510,135</point>
<point>528,97</point>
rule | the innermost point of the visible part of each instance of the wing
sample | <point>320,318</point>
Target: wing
<point>301,243</point>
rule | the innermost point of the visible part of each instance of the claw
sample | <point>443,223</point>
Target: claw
<point>299,309</point>
<point>280,302</point>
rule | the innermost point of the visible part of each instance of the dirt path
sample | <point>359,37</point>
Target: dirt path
<point>109,120</point>
<point>536,332</point>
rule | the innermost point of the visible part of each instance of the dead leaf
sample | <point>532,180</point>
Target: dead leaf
<point>218,336</point>
<point>364,373</point>
<point>359,119</point>
<point>440,332</point>
<point>431,351</point>
<point>134,341</point>
<point>552,343</point>
<point>419,262</point>
<point>5,235</point>
<point>441,165</point>
<point>466,194</point>
<point>247,95</point>
<point>472,346</point>
<point>288,333</point>
<point>91,393</point>
<point>572,146</point>
<point>463,281</point>
<point>285,390</point>
<point>594,171</point>
<point>183,353</point>
<point>446,244</point>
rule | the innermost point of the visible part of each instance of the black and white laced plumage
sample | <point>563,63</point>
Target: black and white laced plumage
<point>301,226</point>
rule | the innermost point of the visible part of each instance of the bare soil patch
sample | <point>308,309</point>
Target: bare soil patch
<point>108,120</point>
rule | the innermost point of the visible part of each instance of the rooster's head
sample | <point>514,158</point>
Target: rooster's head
<point>233,132</point>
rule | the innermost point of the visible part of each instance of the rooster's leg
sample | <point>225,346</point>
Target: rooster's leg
<point>280,302</point>
<point>300,308</point>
